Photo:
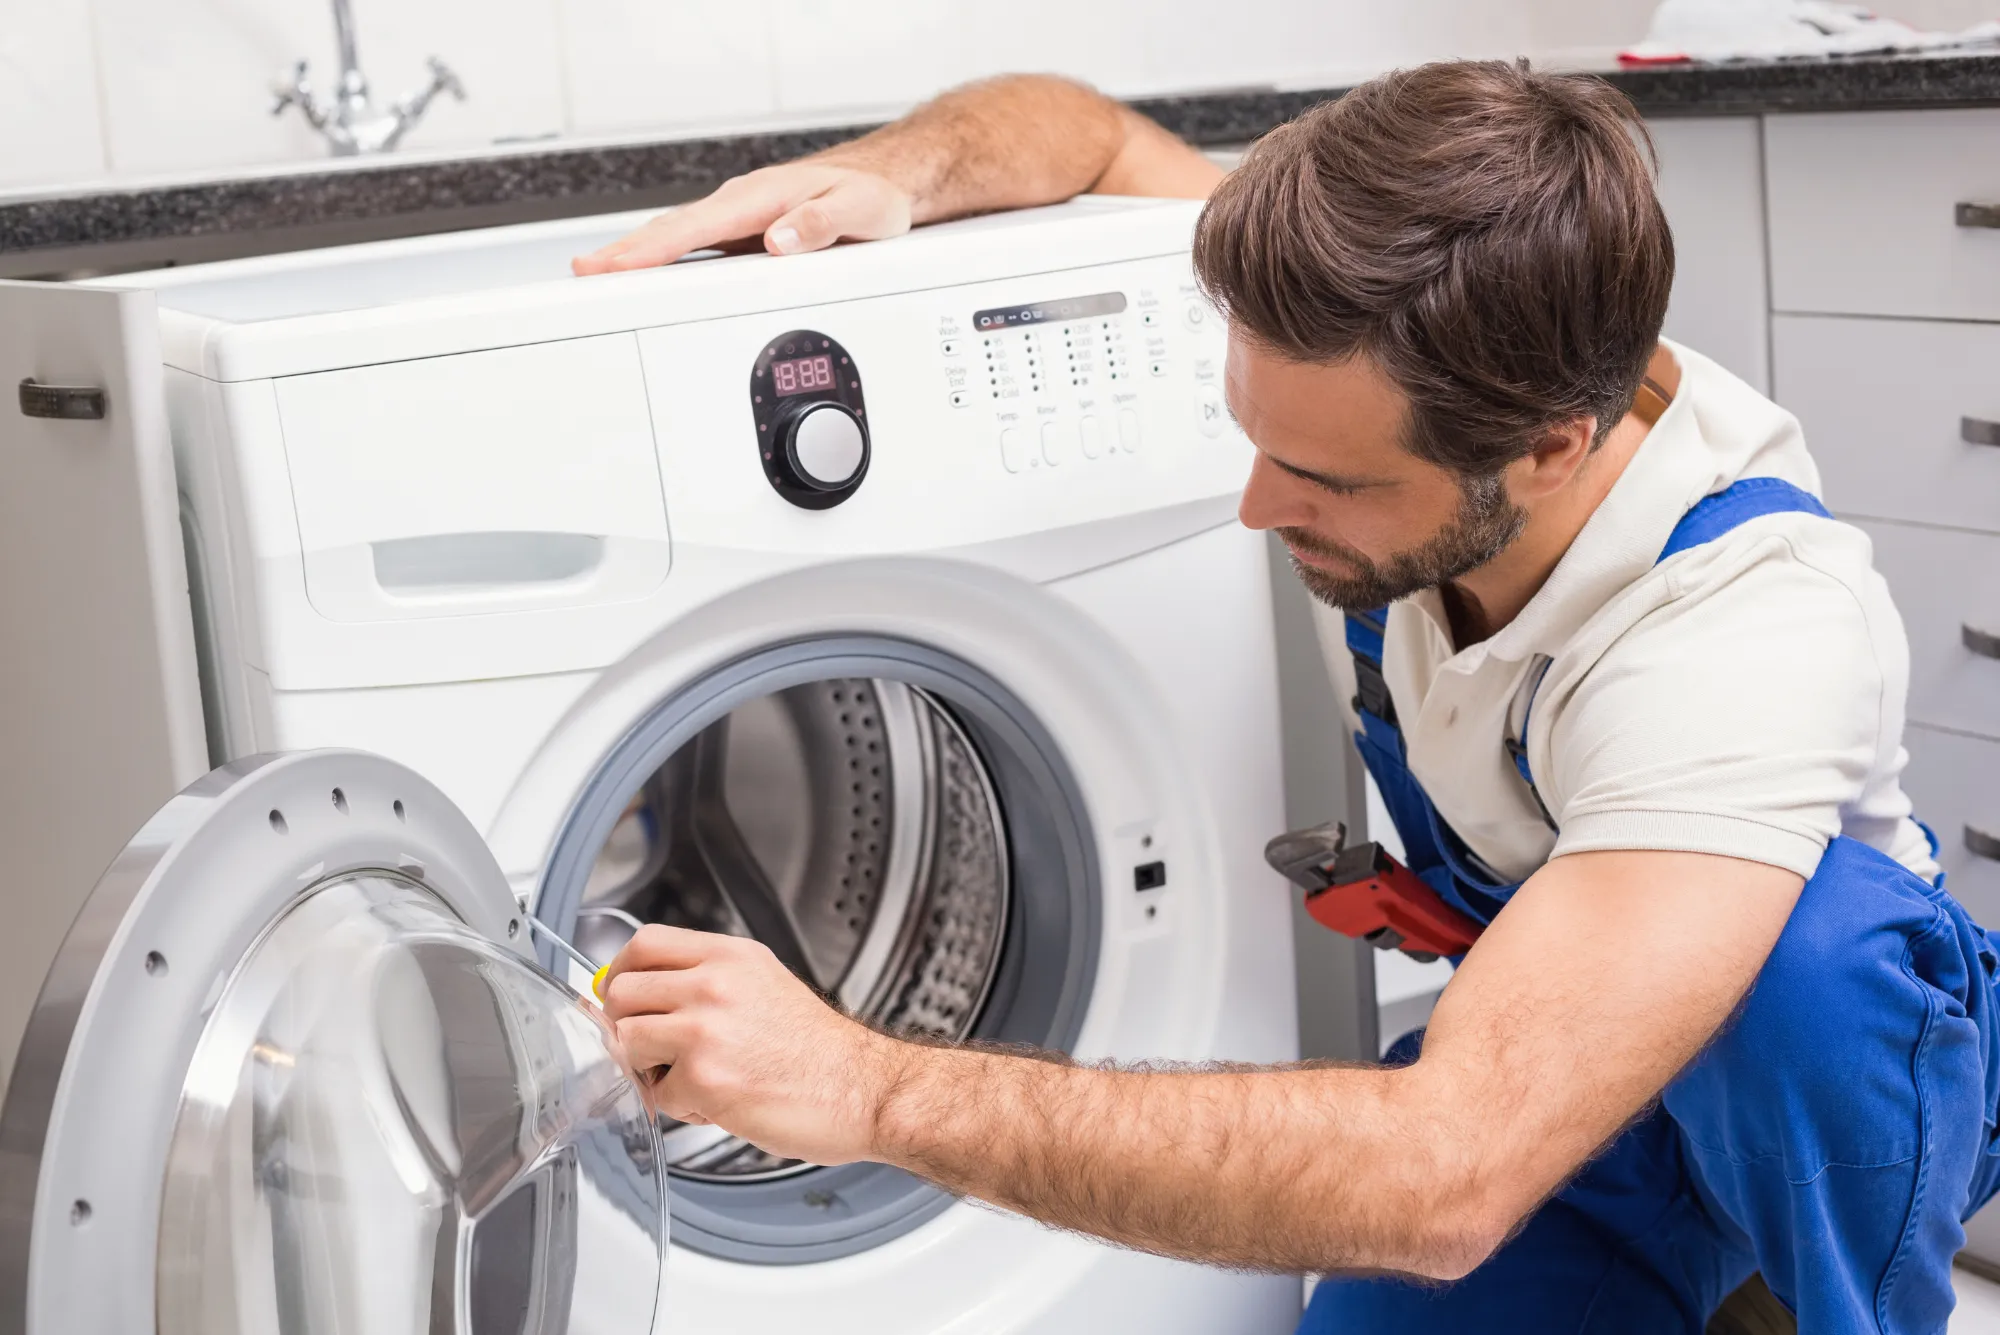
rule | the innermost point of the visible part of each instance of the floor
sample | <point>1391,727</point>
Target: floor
<point>1978,1307</point>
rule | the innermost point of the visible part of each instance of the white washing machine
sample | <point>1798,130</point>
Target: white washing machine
<point>887,604</point>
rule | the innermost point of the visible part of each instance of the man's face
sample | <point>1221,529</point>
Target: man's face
<point>1367,522</point>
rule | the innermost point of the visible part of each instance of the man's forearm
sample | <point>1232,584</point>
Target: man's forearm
<point>1002,143</point>
<point>1293,1171</point>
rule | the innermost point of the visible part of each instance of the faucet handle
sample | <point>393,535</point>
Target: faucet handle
<point>444,80</point>
<point>296,93</point>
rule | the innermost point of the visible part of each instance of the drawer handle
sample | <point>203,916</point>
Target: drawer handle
<point>1978,431</point>
<point>1982,642</point>
<point>1981,844</point>
<point>1979,215</point>
<point>74,402</point>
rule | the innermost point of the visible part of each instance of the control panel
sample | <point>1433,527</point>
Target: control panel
<point>1067,379</point>
<point>812,423</point>
<point>945,416</point>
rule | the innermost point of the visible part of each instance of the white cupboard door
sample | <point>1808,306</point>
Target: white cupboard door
<point>100,711</point>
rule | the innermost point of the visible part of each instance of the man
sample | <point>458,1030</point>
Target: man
<point>1636,706</point>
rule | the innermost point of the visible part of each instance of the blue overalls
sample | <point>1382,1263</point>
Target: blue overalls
<point>1832,1137</point>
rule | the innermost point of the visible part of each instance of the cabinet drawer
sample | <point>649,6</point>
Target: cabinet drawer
<point>1955,783</point>
<point>1898,414</point>
<point>1947,586</point>
<point>1865,218</point>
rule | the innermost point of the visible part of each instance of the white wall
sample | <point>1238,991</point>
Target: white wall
<point>128,90</point>
<point>1591,29</point>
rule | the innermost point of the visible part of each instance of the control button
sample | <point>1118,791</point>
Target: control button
<point>1214,412</point>
<point>828,445</point>
<point>1196,315</point>
<point>949,347</point>
<point>1092,432</point>
<point>1157,368</point>
<point>1128,430</point>
<point>1014,449</point>
<point>960,398</point>
<point>1056,439</point>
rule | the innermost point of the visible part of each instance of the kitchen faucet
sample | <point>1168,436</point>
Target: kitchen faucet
<point>350,121</point>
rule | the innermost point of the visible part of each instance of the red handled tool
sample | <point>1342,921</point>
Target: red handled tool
<point>1363,892</point>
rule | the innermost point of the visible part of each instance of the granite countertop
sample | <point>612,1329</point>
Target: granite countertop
<point>322,206</point>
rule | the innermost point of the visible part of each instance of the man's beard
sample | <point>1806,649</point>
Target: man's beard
<point>1486,522</point>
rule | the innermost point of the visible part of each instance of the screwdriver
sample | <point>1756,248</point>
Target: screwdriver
<point>596,971</point>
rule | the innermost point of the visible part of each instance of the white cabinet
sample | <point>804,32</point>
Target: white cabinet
<point>1903,416</point>
<point>1886,213</point>
<point>1884,233</point>
<point>1712,188</point>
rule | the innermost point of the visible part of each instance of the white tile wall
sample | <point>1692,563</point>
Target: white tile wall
<point>868,53</point>
<point>146,88</point>
<point>49,127</point>
<point>635,64</point>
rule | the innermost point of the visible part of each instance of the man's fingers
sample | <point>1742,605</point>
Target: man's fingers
<point>659,947</point>
<point>854,208</point>
<point>654,1040</point>
<point>742,207</point>
<point>655,991</point>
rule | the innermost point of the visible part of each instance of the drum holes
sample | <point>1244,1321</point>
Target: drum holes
<point>397,807</point>
<point>513,928</point>
<point>340,801</point>
<point>278,821</point>
<point>79,1214</point>
<point>156,964</point>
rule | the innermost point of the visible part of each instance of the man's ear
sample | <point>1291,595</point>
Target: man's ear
<point>1555,461</point>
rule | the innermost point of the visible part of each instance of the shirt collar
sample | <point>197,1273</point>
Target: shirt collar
<point>1671,470</point>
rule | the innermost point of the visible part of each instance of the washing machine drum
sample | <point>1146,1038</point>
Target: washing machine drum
<point>294,1070</point>
<point>849,824</point>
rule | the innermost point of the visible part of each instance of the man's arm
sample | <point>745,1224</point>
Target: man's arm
<point>1000,144</point>
<point>1607,973</point>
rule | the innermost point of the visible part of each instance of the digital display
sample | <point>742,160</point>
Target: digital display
<point>1049,312</point>
<point>802,375</point>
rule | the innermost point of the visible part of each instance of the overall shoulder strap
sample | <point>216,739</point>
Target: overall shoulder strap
<point>1741,501</point>
<point>1371,689</point>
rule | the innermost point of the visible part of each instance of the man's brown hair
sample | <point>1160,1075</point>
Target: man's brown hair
<point>1487,235</point>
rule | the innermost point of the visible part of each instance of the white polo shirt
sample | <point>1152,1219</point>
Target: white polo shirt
<point>1744,697</point>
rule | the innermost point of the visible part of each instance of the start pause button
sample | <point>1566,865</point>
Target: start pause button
<point>1213,411</point>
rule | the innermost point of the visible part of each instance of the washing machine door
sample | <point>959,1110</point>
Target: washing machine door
<point>294,1070</point>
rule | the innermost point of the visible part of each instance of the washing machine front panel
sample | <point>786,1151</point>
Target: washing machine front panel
<point>294,1068</point>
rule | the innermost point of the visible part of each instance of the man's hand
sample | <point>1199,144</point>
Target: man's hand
<point>1005,143</point>
<point>750,1047</point>
<point>797,206</point>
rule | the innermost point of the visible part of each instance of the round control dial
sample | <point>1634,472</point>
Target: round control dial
<point>812,422</point>
<point>825,445</point>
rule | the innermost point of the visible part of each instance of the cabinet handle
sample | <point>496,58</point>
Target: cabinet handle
<point>1978,431</point>
<point>1981,844</point>
<point>76,402</point>
<point>1978,215</point>
<point>1982,642</point>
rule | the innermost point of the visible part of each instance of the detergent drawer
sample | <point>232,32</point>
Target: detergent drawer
<point>499,481</point>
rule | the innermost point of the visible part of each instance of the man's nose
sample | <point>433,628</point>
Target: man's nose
<point>1273,499</point>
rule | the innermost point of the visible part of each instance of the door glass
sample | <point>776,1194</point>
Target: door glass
<point>393,1125</point>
